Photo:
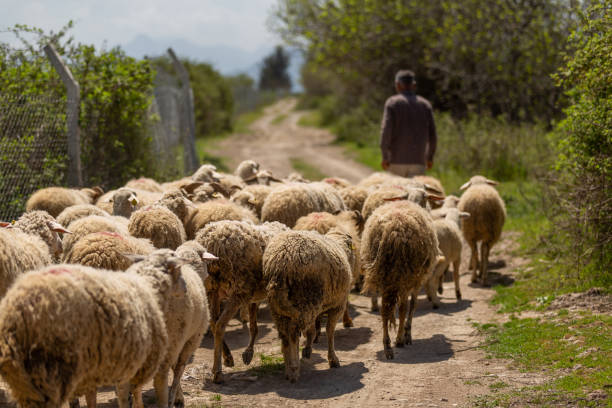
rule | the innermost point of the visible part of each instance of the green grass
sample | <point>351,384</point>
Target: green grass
<point>305,169</point>
<point>575,350</point>
<point>269,365</point>
<point>279,119</point>
<point>311,118</point>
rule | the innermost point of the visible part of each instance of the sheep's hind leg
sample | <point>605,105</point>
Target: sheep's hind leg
<point>310,335</point>
<point>456,266</point>
<point>484,264</point>
<point>317,329</point>
<point>408,329</point>
<point>401,335</point>
<point>346,319</point>
<point>231,307</point>
<point>387,313</point>
<point>332,318</point>
<point>474,260</point>
<point>374,307</point>
<point>247,355</point>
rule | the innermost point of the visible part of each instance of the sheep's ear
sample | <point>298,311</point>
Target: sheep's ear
<point>440,259</point>
<point>492,182</point>
<point>208,257</point>
<point>272,178</point>
<point>219,189</point>
<point>57,227</point>
<point>466,185</point>
<point>359,220</point>
<point>464,215</point>
<point>174,264</point>
<point>396,198</point>
<point>433,197</point>
<point>133,200</point>
<point>252,201</point>
<point>4,224</point>
<point>135,257</point>
<point>336,212</point>
<point>433,189</point>
<point>251,178</point>
<point>189,188</point>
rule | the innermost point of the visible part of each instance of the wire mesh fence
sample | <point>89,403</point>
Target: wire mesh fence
<point>33,149</point>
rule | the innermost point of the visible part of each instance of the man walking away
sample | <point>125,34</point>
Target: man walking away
<point>408,136</point>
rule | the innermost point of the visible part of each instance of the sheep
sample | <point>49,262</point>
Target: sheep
<point>265,178</point>
<point>354,197</point>
<point>231,183</point>
<point>449,241</point>
<point>206,173</point>
<point>55,199</point>
<point>288,203</point>
<point>122,336</point>
<point>145,184</point>
<point>350,222</point>
<point>399,248</point>
<point>106,250</point>
<point>247,170</point>
<point>91,224</point>
<point>187,318</point>
<point>29,243</point>
<point>158,224</point>
<point>105,201</point>
<point>296,178</point>
<point>238,273</point>
<point>252,197</point>
<point>124,202</point>
<point>337,182</point>
<point>308,274</point>
<point>386,193</point>
<point>186,183</point>
<point>79,211</point>
<point>450,201</point>
<point>488,214</point>
<point>215,210</point>
<point>430,181</point>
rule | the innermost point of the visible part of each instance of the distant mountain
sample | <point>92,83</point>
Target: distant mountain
<point>227,59</point>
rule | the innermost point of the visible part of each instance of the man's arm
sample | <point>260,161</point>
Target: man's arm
<point>386,135</point>
<point>432,141</point>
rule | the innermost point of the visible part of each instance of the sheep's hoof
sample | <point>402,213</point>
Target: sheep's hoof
<point>306,352</point>
<point>440,289</point>
<point>347,323</point>
<point>218,378</point>
<point>247,356</point>
<point>408,337</point>
<point>228,361</point>
<point>179,403</point>
<point>75,403</point>
<point>429,297</point>
<point>334,362</point>
<point>474,278</point>
<point>485,284</point>
<point>399,343</point>
<point>436,306</point>
<point>458,294</point>
<point>389,353</point>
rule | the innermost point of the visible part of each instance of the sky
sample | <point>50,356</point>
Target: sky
<point>237,23</point>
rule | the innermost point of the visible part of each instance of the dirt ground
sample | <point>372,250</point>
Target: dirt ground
<point>442,368</point>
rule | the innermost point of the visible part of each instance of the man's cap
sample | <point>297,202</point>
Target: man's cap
<point>405,76</point>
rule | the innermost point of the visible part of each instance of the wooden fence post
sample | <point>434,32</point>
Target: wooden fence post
<point>190,155</point>
<point>74,177</point>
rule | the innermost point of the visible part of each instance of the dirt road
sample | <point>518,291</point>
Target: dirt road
<point>442,368</point>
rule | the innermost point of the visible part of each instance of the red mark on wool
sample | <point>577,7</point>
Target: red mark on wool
<point>58,271</point>
<point>110,234</point>
<point>331,181</point>
<point>318,216</point>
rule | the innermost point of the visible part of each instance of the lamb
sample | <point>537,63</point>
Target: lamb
<point>399,248</point>
<point>449,240</point>
<point>91,224</point>
<point>145,184</point>
<point>252,197</point>
<point>216,210</point>
<point>450,201</point>
<point>488,214</point>
<point>354,197</point>
<point>106,250</point>
<point>288,203</point>
<point>55,199</point>
<point>30,243</point>
<point>79,211</point>
<point>238,276</point>
<point>187,318</point>
<point>308,274</point>
<point>350,222</point>
<point>122,335</point>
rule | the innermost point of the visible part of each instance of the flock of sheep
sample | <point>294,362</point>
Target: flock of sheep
<point>142,272</point>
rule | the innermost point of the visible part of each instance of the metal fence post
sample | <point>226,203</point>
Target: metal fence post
<point>190,155</point>
<point>74,177</point>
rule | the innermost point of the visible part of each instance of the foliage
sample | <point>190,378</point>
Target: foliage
<point>583,172</point>
<point>115,96</point>
<point>274,75</point>
<point>492,57</point>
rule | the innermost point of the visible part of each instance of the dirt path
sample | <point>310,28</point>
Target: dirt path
<point>273,145</point>
<point>442,368</point>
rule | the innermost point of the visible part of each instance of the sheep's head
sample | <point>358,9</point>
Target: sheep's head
<point>478,180</point>
<point>43,225</point>
<point>93,193</point>
<point>455,216</point>
<point>247,170</point>
<point>163,268</point>
<point>177,202</point>
<point>206,173</point>
<point>418,196</point>
<point>197,256</point>
<point>125,201</point>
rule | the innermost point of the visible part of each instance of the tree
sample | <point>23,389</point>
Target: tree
<point>273,75</point>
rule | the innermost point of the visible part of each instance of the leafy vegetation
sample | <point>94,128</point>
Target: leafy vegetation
<point>268,365</point>
<point>274,75</point>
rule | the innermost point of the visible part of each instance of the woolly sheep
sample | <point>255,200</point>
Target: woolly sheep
<point>399,248</point>
<point>121,331</point>
<point>106,250</point>
<point>387,193</point>
<point>354,197</point>
<point>296,178</point>
<point>158,224</point>
<point>308,274</point>
<point>288,203</point>
<point>91,224</point>
<point>252,197</point>
<point>30,243</point>
<point>337,182</point>
<point>430,181</point>
<point>238,273</point>
<point>206,173</point>
<point>186,183</point>
<point>79,211</point>
<point>145,184</point>
<point>55,199</point>
<point>350,222</point>
<point>450,201</point>
<point>487,216</point>
<point>449,241</point>
<point>187,318</point>
<point>247,170</point>
<point>124,202</point>
<point>215,210</point>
